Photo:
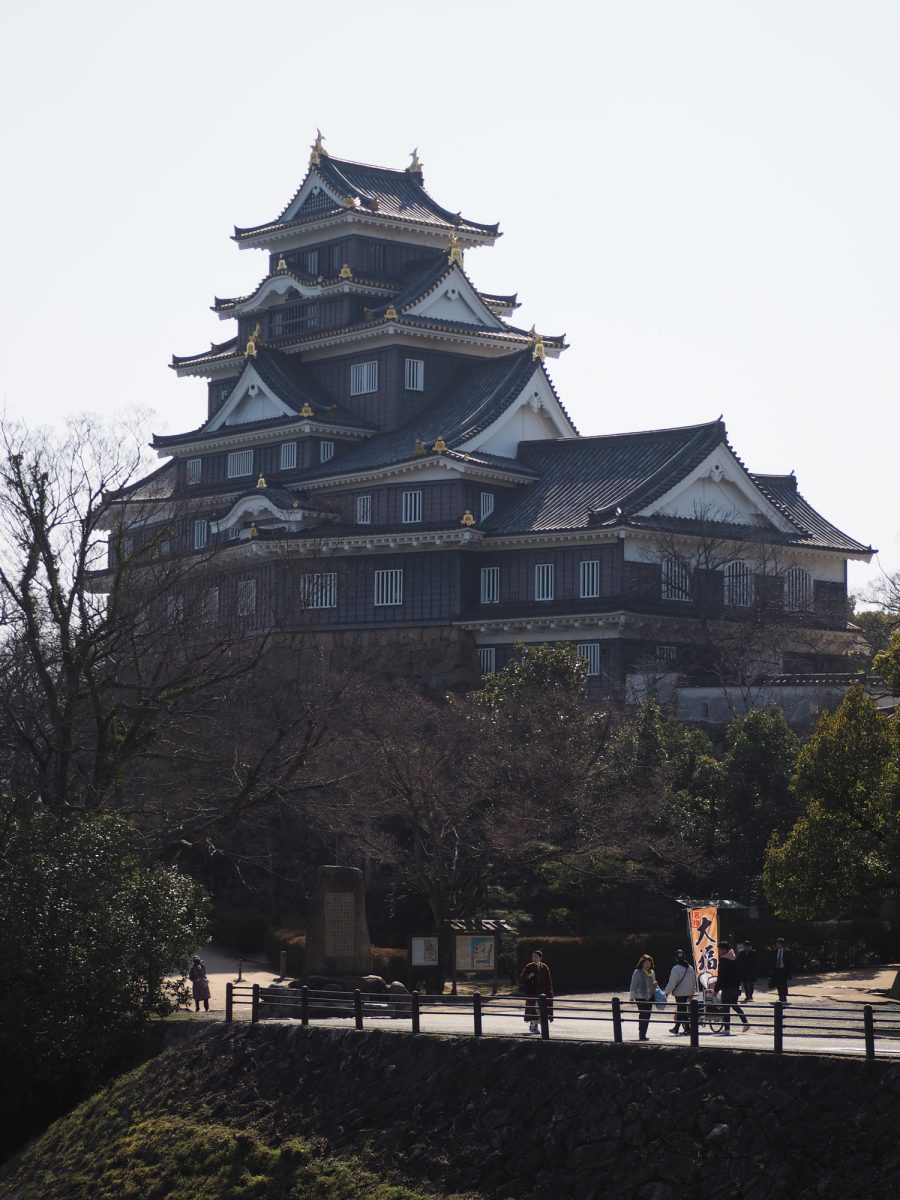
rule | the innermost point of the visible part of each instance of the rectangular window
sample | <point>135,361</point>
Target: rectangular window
<point>487,659</point>
<point>543,581</point>
<point>363,378</point>
<point>209,609</point>
<point>234,533</point>
<point>376,257</point>
<point>288,456</point>
<point>490,585</point>
<point>487,504</point>
<point>590,579</point>
<point>194,470</point>
<point>246,597</point>
<point>240,462</point>
<point>412,507</point>
<point>415,374</point>
<point>676,580</point>
<point>326,451</point>
<point>201,534</point>
<point>312,262</point>
<point>319,590</point>
<point>666,653</point>
<point>388,588</point>
<point>590,652</point>
<point>364,510</point>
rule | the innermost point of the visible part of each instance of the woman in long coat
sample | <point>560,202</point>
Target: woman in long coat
<point>535,980</point>
<point>199,983</point>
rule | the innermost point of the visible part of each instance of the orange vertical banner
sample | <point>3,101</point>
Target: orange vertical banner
<point>705,942</point>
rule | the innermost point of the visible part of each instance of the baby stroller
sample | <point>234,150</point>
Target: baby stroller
<point>712,1014</point>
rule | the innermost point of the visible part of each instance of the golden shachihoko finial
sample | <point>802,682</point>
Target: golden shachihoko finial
<point>538,353</point>
<point>317,149</point>
<point>415,167</point>
<point>455,254</point>
<point>253,341</point>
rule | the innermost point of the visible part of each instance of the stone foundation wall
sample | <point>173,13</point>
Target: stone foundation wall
<point>559,1120</point>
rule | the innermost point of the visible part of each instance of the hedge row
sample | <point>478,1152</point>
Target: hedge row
<point>386,961</point>
<point>605,962</point>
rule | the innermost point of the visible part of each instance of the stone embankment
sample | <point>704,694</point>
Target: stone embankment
<point>571,1121</point>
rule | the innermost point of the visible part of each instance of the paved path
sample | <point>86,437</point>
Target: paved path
<point>816,1001</point>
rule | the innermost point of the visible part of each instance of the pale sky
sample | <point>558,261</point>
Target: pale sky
<point>703,196</point>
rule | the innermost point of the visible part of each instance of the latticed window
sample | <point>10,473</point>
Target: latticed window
<point>246,597</point>
<point>201,534</point>
<point>209,609</point>
<point>666,653</point>
<point>676,580</point>
<point>311,262</point>
<point>364,510</point>
<point>490,585</point>
<point>363,378</point>
<point>319,590</point>
<point>388,587</point>
<point>543,581</point>
<point>487,659</point>
<point>798,590</point>
<point>292,320</point>
<point>487,504</point>
<point>288,456</point>
<point>590,579</point>
<point>739,585</point>
<point>590,652</point>
<point>415,374</point>
<point>194,470</point>
<point>412,507</point>
<point>326,451</point>
<point>240,462</point>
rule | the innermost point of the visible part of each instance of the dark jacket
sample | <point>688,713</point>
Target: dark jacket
<point>729,974</point>
<point>747,963</point>
<point>787,960</point>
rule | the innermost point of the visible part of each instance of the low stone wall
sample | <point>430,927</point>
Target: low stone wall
<point>561,1120</point>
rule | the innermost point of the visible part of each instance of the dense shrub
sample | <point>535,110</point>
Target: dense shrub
<point>239,929</point>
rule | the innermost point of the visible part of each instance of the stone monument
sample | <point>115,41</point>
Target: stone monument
<point>337,934</point>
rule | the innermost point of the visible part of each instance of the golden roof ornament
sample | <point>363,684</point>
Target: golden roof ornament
<point>296,504</point>
<point>351,202</point>
<point>415,166</point>
<point>467,518</point>
<point>307,410</point>
<point>317,149</point>
<point>455,254</point>
<point>261,482</point>
<point>345,272</point>
<point>538,353</point>
<point>282,265</point>
<point>253,341</point>
<point>254,532</point>
<point>420,449</point>
<point>440,446</point>
<point>390,313</point>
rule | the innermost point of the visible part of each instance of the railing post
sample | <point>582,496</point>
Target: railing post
<point>254,1003</point>
<point>694,1009</point>
<point>304,1005</point>
<point>358,1008</point>
<point>414,1011</point>
<point>229,1002</point>
<point>282,963</point>
<point>240,977</point>
<point>617,1018</point>
<point>778,1046</point>
<point>869,1028</point>
<point>544,1011</point>
<point>476,1013</point>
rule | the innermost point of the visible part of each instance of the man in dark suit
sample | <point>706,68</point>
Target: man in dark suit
<point>747,963</point>
<point>781,969</point>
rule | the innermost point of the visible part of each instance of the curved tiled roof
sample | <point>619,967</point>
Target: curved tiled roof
<point>783,490</point>
<point>471,402</point>
<point>383,191</point>
<point>584,480</point>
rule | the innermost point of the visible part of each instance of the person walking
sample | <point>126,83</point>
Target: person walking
<point>643,985</point>
<point>682,985</point>
<point>782,969</point>
<point>728,984</point>
<point>535,981</point>
<point>747,963</point>
<point>199,983</point>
